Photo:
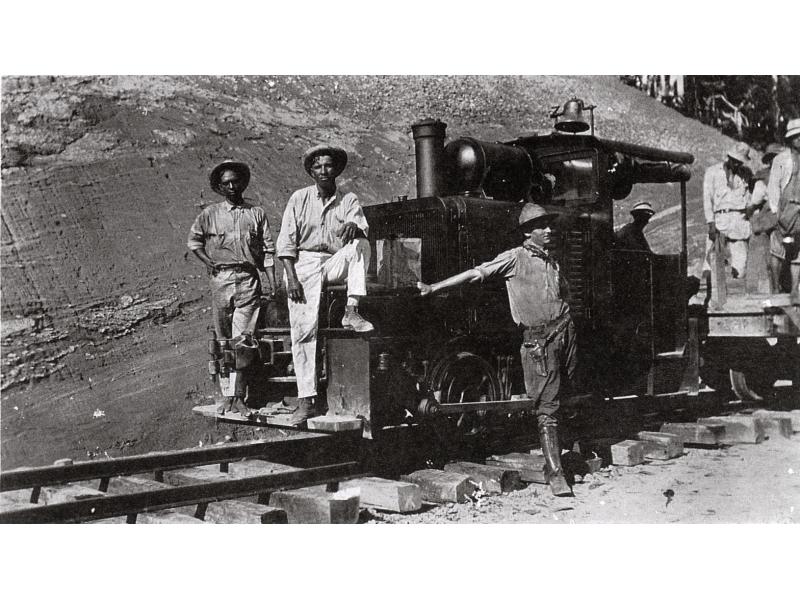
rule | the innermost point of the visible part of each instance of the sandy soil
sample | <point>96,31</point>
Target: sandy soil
<point>739,484</point>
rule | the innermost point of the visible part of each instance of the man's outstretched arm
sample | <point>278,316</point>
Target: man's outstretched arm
<point>469,276</point>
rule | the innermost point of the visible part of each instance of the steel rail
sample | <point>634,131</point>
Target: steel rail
<point>104,507</point>
<point>283,450</point>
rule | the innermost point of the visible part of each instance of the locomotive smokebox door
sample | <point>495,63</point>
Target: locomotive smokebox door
<point>348,392</point>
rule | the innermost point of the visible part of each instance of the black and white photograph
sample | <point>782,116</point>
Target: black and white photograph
<point>398,296</point>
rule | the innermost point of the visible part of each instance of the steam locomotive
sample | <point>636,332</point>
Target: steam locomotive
<point>456,354</point>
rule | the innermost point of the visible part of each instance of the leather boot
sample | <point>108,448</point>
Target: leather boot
<point>548,436</point>
<point>304,411</point>
<point>239,405</point>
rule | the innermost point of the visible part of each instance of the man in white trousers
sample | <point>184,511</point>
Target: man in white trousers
<point>323,239</point>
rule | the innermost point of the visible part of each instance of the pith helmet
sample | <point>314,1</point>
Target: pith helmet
<point>229,165</point>
<point>643,207</point>
<point>532,213</point>
<point>792,128</point>
<point>740,152</point>
<point>339,157</point>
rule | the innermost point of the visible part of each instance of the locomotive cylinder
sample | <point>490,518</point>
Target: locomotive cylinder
<point>429,150</point>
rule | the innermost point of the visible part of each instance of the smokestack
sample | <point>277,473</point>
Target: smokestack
<point>429,151</point>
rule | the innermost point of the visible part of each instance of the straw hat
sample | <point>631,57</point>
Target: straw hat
<point>339,157</point>
<point>532,212</point>
<point>229,165</point>
<point>740,152</point>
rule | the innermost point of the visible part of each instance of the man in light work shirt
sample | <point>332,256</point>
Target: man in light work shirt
<point>783,191</point>
<point>322,239</point>
<point>233,240</point>
<point>536,295</point>
<point>726,197</point>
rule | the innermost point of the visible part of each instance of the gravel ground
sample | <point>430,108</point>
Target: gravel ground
<point>738,484</point>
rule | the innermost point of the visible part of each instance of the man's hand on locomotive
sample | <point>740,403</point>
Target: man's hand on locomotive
<point>349,231</point>
<point>424,288</point>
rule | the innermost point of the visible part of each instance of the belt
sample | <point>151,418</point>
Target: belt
<point>730,210</point>
<point>549,331</point>
<point>245,268</point>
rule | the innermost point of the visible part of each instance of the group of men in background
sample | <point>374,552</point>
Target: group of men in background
<point>738,204</point>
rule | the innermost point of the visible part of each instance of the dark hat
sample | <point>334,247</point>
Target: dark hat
<point>339,157</point>
<point>533,212</point>
<point>229,165</point>
<point>772,150</point>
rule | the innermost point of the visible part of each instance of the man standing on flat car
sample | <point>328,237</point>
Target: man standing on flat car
<point>536,295</point>
<point>726,197</point>
<point>233,241</point>
<point>783,193</point>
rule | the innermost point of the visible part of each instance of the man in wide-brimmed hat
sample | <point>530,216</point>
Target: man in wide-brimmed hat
<point>783,192</point>
<point>536,295</point>
<point>323,239</point>
<point>726,197</point>
<point>631,236</point>
<point>233,240</point>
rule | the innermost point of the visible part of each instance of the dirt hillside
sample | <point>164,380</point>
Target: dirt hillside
<point>104,313</point>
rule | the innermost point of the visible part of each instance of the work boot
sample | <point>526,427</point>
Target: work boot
<point>353,320</point>
<point>239,405</point>
<point>548,436</point>
<point>222,405</point>
<point>304,411</point>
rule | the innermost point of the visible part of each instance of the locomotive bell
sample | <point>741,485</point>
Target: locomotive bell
<point>570,119</point>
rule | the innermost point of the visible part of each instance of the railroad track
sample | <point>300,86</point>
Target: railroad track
<point>320,477</point>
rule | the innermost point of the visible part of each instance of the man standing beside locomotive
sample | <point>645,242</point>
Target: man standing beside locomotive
<point>536,295</point>
<point>783,194</point>
<point>725,202</point>
<point>233,240</point>
<point>322,239</point>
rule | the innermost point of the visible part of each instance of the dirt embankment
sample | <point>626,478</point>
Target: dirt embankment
<point>104,311</point>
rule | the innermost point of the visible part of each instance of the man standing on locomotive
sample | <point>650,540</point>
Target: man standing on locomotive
<point>631,236</point>
<point>536,295</point>
<point>322,239</point>
<point>783,193</point>
<point>726,197</point>
<point>233,240</point>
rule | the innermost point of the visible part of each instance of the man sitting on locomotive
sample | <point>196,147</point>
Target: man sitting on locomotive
<point>536,295</point>
<point>322,239</point>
